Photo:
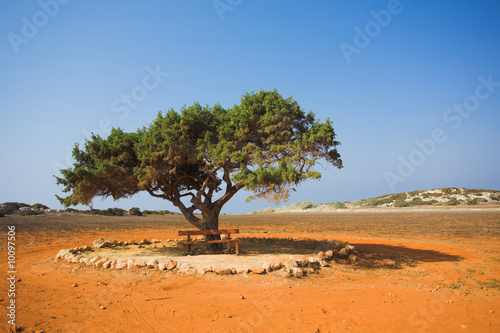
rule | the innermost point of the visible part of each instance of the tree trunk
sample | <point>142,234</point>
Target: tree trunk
<point>211,222</point>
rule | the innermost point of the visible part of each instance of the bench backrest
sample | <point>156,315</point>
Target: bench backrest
<point>208,232</point>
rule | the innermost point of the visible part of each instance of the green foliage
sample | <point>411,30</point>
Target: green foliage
<point>398,196</point>
<point>453,202</point>
<point>417,202</point>
<point>267,144</point>
<point>2,214</point>
<point>157,212</point>
<point>429,195</point>
<point>135,211</point>
<point>303,205</point>
<point>39,206</point>
<point>472,201</point>
<point>495,197</point>
<point>30,213</point>
<point>451,190</point>
<point>400,203</point>
<point>339,205</point>
<point>11,207</point>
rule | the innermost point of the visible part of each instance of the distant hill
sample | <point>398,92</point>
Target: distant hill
<point>450,196</point>
<point>23,209</point>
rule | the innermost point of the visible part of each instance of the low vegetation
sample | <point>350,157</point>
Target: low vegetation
<point>451,196</point>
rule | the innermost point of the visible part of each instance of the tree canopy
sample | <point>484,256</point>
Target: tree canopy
<point>200,157</point>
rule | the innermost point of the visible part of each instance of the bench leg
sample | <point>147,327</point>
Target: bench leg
<point>237,250</point>
<point>185,247</point>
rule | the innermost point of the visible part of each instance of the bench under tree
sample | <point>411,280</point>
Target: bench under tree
<point>187,244</point>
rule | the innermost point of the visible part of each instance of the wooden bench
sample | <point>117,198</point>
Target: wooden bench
<point>187,244</point>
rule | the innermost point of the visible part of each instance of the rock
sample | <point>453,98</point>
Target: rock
<point>131,242</point>
<point>185,266</point>
<point>85,248</point>
<point>352,258</point>
<point>202,271</point>
<point>162,266</point>
<point>107,264</point>
<point>323,263</point>
<point>310,270</point>
<point>285,272</point>
<point>94,259</point>
<point>152,263</point>
<point>242,270</point>
<point>257,270</point>
<point>222,271</point>
<point>291,263</point>
<point>322,255</point>
<point>342,253</point>
<point>267,267</point>
<point>84,260</point>
<point>101,243</point>
<point>313,261</point>
<point>140,263</point>
<point>121,265</point>
<point>300,260</point>
<point>349,248</point>
<point>208,269</point>
<point>130,264</point>
<point>76,259</point>
<point>100,262</point>
<point>69,256</point>
<point>233,270</point>
<point>276,266</point>
<point>297,272</point>
<point>61,254</point>
<point>328,254</point>
<point>75,285</point>
<point>171,264</point>
<point>145,242</point>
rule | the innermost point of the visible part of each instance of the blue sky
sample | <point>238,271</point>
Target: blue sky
<point>413,87</point>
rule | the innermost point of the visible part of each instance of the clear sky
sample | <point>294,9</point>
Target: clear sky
<point>413,87</point>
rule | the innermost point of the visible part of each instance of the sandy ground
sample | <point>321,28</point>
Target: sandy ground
<point>446,279</point>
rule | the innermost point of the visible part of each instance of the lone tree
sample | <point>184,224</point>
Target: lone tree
<point>199,159</point>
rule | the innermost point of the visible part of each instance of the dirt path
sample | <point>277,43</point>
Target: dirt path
<point>445,285</point>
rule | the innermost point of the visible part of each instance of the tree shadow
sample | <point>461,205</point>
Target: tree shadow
<point>368,256</point>
<point>397,256</point>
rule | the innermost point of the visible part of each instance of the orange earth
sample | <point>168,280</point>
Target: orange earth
<point>444,276</point>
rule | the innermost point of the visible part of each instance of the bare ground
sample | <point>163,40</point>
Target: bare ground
<point>445,278</point>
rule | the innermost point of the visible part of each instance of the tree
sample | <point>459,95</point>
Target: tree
<point>200,158</point>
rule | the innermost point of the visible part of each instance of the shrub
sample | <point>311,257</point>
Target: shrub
<point>31,212</point>
<point>11,207</point>
<point>338,205</point>
<point>39,206</point>
<point>472,201</point>
<point>494,197</point>
<point>398,196</point>
<point>453,202</point>
<point>451,190</point>
<point>2,215</point>
<point>135,211</point>
<point>417,202</point>
<point>400,203</point>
